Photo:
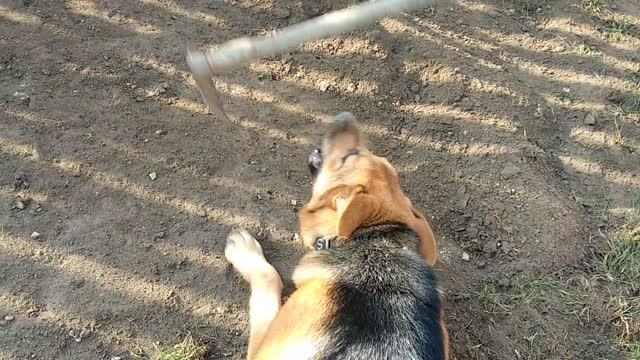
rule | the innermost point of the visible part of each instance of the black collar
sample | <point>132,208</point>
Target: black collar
<point>324,243</point>
<point>368,232</point>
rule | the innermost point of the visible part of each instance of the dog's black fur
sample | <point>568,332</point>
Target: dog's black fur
<point>385,298</point>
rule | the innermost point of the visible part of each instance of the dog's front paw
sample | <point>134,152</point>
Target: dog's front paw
<point>244,252</point>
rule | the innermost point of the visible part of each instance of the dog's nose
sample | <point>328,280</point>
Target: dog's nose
<point>343,135</point>
<point>315,158</point>
<point>345,122</point>
<point>315,162</point>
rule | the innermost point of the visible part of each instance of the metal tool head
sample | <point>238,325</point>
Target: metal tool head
<point>203,76</point>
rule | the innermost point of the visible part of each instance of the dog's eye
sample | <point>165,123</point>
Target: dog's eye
<point>349,153</point>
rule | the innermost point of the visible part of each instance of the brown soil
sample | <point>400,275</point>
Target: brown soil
<point>504,119</point>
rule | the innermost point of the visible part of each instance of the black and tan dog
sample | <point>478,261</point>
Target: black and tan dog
<point>368,291</point>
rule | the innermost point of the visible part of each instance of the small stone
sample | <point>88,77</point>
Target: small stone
<point>36,235</point>
<point>153,175</point>
<point>473,231</point>
<point>415,88</point>
<point>417,98</point>
<point>504,282</point>
<point>173,17</point>
<point>324,85</point>
<point>294,202</point>
<point>9,318</point>
<point>281,13</point>
<point>491,247</point>
<point>438,146</point>
<point>509,171</point>
<point>463,202</point>
<point>160,132</point>
<point>20,205</point>
<point>201,213</point>
<point>466,256</point>
<point>165,85</point>
<point>351,88</point>
<point>589,119</point>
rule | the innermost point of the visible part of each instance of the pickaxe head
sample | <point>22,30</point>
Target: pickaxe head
<point>203,75</point>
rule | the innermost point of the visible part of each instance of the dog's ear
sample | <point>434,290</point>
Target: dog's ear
<point>348,207</point>
<point>356,208</point>
<point>353,207</point>
<point>327,199</point>
<point>319,217</point>
<point>428,249</point>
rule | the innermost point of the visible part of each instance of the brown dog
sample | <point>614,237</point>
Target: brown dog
<point>368,292</point>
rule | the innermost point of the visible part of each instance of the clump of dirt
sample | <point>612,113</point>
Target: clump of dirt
<point>513,125</point>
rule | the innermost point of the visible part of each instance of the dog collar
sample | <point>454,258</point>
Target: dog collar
<point>329,241</point>
<point>323,244</point>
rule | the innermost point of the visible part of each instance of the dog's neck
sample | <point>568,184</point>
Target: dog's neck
<point>394,230</point>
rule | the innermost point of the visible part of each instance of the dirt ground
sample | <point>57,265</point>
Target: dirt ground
<point>513,124</point>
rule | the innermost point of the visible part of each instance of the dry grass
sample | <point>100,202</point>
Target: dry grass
<point>621,268</point>
<point>186,349</point>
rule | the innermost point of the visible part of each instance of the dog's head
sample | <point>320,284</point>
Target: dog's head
<point>354,188</point>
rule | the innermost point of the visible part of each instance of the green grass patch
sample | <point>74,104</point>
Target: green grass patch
<point>622,262</point>
<point>614,28</point>
<point>630,105</point>
<point>621,265</point>
<point>186,349</point>
<point>584,49</point>
<point>633,348</point>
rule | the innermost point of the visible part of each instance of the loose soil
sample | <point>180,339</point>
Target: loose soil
<point>510,122</point>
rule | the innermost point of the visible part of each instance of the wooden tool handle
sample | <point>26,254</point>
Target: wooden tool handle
<point>238,52</point>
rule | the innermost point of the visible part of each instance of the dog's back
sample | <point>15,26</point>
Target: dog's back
<point>384,297</point>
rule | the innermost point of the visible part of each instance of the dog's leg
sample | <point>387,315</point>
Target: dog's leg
<point>244,252</point>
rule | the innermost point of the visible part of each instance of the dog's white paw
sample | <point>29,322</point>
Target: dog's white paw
<point>245,253</point>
